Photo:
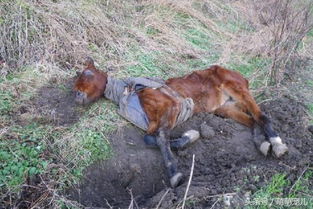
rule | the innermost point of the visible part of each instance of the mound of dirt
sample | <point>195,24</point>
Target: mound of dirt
<point>227,163</point>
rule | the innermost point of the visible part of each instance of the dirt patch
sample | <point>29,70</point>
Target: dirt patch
<point>225,163</point>
<point>53,104</point>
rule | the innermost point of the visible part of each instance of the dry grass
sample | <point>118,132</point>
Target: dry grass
<point>64,32</point>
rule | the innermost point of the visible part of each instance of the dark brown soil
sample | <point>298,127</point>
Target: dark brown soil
<point>225,163</point>
<point>53,104</point>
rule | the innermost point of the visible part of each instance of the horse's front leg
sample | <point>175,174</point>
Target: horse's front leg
<point>163,143</point>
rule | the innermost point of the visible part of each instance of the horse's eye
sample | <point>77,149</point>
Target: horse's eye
<point>79,93</point>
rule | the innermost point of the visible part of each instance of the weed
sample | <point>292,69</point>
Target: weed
<point>20,156</point>
<point>6,102</point>
<point>309,83</point>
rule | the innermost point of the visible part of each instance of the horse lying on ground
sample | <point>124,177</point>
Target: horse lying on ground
<point>164,104</point>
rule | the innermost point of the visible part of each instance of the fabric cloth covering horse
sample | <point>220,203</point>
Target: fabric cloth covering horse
<point>124,93</point>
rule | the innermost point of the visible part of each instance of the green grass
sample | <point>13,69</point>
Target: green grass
<point>198,39</point>
<point>275,191</point>
<point>147,65</point>
<point>250,65</point>
<point>309,83</point>
<point>21,155</point>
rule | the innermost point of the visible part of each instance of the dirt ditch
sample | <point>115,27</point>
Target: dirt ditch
<point>227,162</point>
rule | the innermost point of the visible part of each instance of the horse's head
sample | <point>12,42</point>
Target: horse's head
<point>90,84</point>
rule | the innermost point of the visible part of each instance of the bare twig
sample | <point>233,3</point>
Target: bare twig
<point>304,170</point>
<point>132,201</point>
<point>163,196</point>
<point>221,195</point>
<point>215,203</point>
<point>189,181</point>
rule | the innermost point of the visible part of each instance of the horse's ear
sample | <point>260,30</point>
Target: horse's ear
<point>89,63</point>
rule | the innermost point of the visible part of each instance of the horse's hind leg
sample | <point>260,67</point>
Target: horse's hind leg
<point>233,110</point>
<point>176,178</point>
<point>243,97</point>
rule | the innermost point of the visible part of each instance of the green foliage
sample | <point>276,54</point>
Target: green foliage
<point>277,185</point>
<point>94,145</point>
<point>20,156</point>
<point>6,102</point>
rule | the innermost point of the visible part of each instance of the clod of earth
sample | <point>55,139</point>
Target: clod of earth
<point>206,131</point>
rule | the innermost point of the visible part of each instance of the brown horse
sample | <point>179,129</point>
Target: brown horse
<point>215,90</point>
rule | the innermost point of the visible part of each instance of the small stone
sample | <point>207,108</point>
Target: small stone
<point>206,131</point>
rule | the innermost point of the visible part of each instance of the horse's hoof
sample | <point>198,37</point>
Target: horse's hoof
<point>265,147</point>
<point>279,149</point>
<point>193,135</point>
<point>177,180</point>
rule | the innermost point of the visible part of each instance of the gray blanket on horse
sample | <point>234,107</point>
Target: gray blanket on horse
<point>123,93</point>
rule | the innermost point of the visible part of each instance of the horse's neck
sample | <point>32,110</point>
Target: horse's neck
<point>114,89</point>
